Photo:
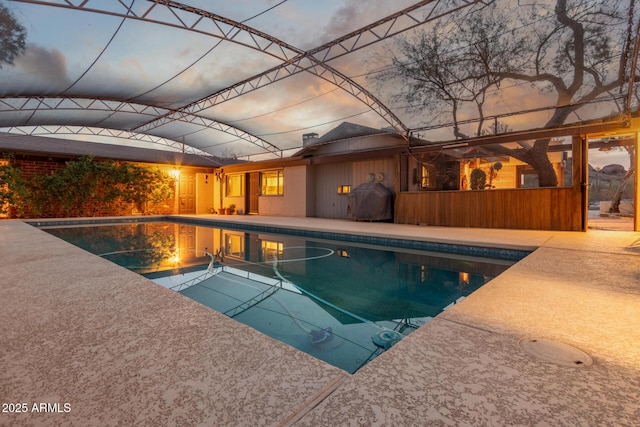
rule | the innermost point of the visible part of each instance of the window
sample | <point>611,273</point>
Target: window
<point>272,183</point>
<point>234,245</point>
<point>344,189</point>
<point>506,165</point>
<point>426,179</point>
<point>272,251</point>
<point>235,185</point>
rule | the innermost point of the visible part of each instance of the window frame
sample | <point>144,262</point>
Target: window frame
<point>228,187</point>
<point>280,183</point>
<point>450,169</point>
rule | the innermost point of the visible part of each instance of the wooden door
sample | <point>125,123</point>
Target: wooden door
<point>253,192</point>
<point>187,194</point>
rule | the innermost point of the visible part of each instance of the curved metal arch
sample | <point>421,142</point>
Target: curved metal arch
<point>259,41</point>
<point>105,132</point>
<point>302,63</point>
<point>38,102</point>
<point>204,22</point>
<point>389,26</point>
<point>114,105</point>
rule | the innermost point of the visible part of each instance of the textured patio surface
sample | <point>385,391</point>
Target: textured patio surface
<point>121,350</point>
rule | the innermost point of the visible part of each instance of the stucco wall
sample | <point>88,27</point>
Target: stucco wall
<point>205,184</point>
<point>294,201</point>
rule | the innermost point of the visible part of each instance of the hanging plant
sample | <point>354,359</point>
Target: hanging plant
<point>478,179</point>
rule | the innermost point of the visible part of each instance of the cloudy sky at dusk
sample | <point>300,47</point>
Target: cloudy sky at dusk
<point>84,54</point>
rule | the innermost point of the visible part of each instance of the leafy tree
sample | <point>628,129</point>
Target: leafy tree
<point>571,51</point>
<point>12,37</point>
<point>617,197</point>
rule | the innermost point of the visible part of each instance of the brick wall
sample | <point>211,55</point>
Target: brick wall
<point>38,166</point>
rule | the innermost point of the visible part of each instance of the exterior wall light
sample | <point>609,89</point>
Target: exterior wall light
<point>344,189</point>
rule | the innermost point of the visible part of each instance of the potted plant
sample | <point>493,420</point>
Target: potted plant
<point>221,211</point>
<point>231,209</point>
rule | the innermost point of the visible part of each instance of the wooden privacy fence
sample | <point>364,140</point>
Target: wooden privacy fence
<point>534,208</point>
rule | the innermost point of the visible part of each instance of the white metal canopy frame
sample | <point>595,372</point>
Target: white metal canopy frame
<point>160,105</point>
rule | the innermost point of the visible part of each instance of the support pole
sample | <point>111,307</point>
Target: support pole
<point>580,177</point>
<point>636,198</point>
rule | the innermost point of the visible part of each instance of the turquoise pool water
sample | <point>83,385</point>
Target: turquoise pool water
<point>342,302</point>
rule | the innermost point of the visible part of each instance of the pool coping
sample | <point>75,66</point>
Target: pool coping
<point>464,367</point>
<point>476,252</point>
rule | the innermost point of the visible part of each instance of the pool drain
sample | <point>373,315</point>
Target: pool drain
<point>555,352</point>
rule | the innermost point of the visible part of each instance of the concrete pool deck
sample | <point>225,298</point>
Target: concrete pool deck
<point>120,350</point>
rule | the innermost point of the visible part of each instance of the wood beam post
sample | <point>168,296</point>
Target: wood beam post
<point>636,198</point>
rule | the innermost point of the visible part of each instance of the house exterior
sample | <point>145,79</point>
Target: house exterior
<point>489,182</point>
<point>485,182</point>
<point>315,181</point>
<point>193,174</point>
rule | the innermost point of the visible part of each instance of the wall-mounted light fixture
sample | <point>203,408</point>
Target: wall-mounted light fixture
<point>206,178</point>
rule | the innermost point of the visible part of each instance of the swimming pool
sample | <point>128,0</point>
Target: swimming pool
<point>342,302</point>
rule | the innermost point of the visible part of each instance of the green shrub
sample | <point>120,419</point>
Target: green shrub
<point>13,190</point>
<point>83,187</point>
